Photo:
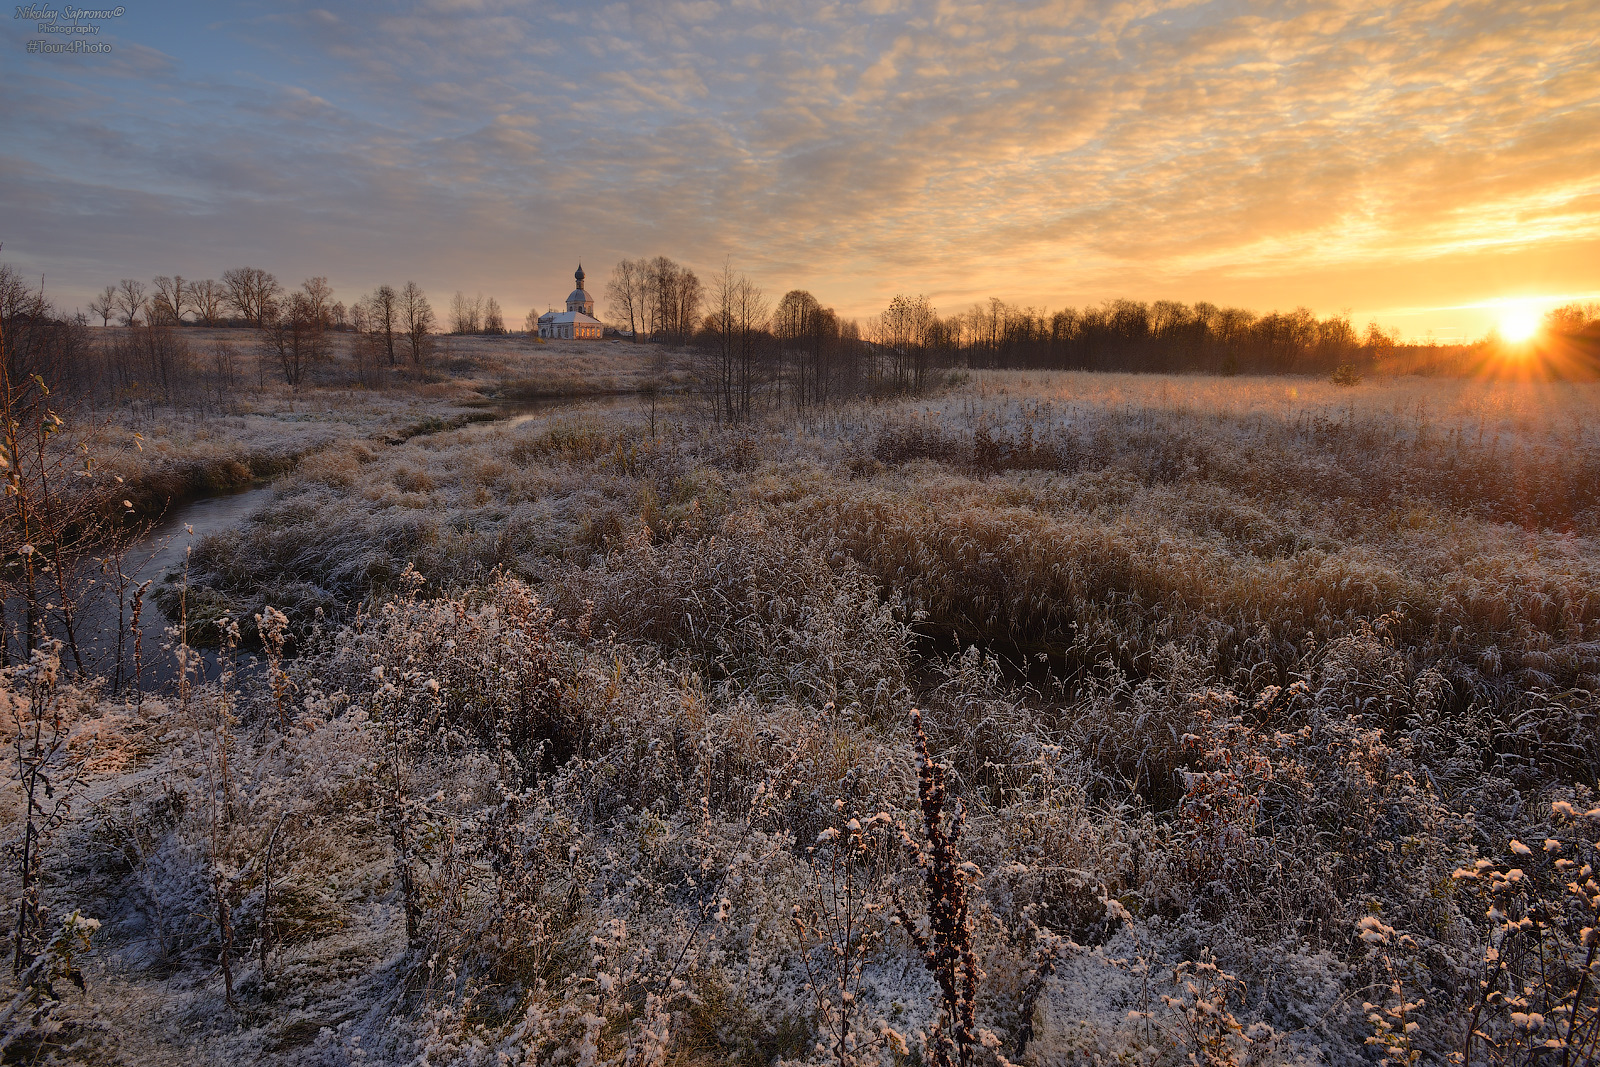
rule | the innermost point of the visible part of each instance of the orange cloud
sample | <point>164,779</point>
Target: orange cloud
<point>1416,161</point>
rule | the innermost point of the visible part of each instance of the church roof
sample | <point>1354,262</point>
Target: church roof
<point>568,316</point>
<point>580,295</point>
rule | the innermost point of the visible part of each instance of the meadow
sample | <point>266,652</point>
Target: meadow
<point>229,420</point>
<point>1044,718</point>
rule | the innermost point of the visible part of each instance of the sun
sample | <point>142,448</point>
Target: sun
<point>1519,323</point>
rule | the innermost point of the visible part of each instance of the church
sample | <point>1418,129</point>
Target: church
<point>578,320</point>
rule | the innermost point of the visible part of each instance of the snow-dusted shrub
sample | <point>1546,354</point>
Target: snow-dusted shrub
<point>46,756</point>
<point>483,666</point>
<point>758,603</point>
<point>1534,996</point>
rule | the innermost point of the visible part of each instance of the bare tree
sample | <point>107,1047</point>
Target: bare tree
<point>381,309</point>
<point>1379,341</point>
<point>672,299</point>
<point>416,315</point>
<point>626,291</point>
<point>311,308</point>
<point>720,349</point>
<point>808,341</point>
<point>736,324</point>
<point>105,305</point>
<point>253,293</point>
<point>904,329</point>
<point>151,358</point>
<point>171,299</point>
<point>649,298</point>
<point>370,351</point>
<point>296,338</point>
<point>130,300</point>
<point>224,373</point>
<point>1573,319</point>
<point>39,341</point>
<point>206,300</point>
<point>751,316</point>
<point>494,322</point>
<point>16,300</point>
<point>319,300</point>
<point>466,313</point>
<point>662,286</point>
<point>688,295</point>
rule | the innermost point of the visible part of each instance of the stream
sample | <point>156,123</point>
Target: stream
<point>100,619</point>
<point>159,552</point>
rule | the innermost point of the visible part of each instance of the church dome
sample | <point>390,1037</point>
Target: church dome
<point>578,296</point>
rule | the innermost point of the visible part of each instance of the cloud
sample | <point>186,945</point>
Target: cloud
<point>1055,152</point>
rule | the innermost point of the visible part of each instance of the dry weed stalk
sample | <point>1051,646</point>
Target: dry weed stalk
<point>1395,1018</point>
<point>947,947</point>
<point>50,772</point>
<point>56,511</point>
<point>839,924</point>
<point>273,626</point>
<point>217,729</point>
<point>1199,1020</point>
<point>136,630</point>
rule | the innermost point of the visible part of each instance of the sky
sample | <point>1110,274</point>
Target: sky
<point>1425,165</point>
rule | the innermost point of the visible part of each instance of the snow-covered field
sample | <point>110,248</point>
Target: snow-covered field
<point>1268,706</point>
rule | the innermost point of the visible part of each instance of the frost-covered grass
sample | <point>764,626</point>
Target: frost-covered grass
<point>258,427</point>
<point>1269,706</point>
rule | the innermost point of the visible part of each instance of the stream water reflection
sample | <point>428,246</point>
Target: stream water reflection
<point>151,558</point>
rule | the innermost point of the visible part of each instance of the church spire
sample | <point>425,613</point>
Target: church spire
<point>580,300</point>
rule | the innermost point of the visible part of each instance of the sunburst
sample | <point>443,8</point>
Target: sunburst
<point>1519,322</point>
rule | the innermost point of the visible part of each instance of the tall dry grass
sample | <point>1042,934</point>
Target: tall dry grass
<point>1232,680</point>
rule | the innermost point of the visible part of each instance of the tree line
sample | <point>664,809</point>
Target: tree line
<point>252,297</point>
<point>291,328</point>
<point>797,353</point>
<point>1160,337</point>
<point>246,296</point>
<point>753,352</point>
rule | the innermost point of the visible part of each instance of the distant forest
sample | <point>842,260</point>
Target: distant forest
<point>1166,336</point>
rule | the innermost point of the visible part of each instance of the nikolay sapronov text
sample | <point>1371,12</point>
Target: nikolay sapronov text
<point>78,20</point>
